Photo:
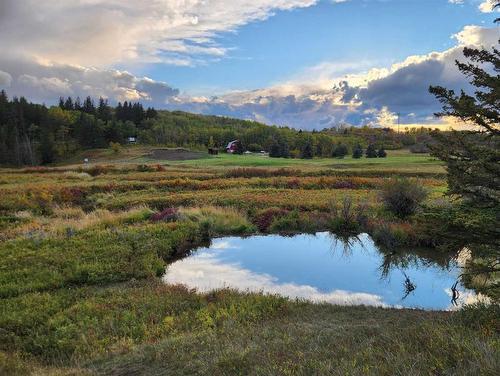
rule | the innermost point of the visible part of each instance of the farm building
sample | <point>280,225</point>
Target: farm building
<point>232,147</point>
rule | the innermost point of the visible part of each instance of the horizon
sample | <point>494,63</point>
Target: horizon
<point>308,64</point>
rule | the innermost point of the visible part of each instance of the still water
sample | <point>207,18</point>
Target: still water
<point>322,268</point>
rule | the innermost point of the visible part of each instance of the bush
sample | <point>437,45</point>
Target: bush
<point>293,221</point>
<point>219,220</point>
<point>381,153</point>
<point>168,215</point>
<point>357,152</point>
<point>403,196</point>
<point>419,148</point>
<point>265,218</point>
<point>116,147</point>
<point>347,218</point>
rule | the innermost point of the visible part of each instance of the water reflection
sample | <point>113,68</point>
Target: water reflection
<point>323,268</point>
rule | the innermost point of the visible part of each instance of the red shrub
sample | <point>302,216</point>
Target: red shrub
<point>168,214</point>
<point>263,219</point>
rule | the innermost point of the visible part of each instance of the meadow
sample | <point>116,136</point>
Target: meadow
<point>83,246</point>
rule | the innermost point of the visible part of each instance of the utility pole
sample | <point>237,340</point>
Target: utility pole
<point>399,115</point>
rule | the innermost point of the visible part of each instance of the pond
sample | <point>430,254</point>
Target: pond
<point>323,268</point>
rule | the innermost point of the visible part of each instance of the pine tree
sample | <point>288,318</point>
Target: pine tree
<point>307,151</point>
<point>68,104</point>
<point>340,151</point>
<point>472,157</point>
<point>371,152</point>
<point>357,152</point>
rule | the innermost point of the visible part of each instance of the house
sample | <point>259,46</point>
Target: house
<point>232,146</point>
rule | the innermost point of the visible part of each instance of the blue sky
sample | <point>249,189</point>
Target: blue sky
<point>378,32</point>
<point>301,63</point>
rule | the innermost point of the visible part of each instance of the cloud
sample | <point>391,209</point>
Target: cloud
<point>45,82</point>
<point>372,97</point>
<point>5,79</point>
<point>206,273</point>
<point>105,32</point>
<point>488,6</point>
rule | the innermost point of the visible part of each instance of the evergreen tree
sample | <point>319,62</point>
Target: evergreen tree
<point>357,152</point>
<point>68,104</point>
<point>104,111</point>
<point>381,153</point>
<point>151,113</point>
<point>307,151</point>
<point>88,106</point>
<point>275,150</point>
<point>371,152</point>
<point>472,157</point>
<point>340,151</point>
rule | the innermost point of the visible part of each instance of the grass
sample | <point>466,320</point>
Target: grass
<point>80,258</point>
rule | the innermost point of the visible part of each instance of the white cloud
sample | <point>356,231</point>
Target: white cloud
<point>372,97</point>
<point>488,6</point>
<point>205,273</point>
<point>106,32</point>
<point>45,82</point>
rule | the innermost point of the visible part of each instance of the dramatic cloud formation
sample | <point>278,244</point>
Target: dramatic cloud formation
<point>372,98</point>
<point>105,32</point>
<point>46,82</point>
<point>73,48</point>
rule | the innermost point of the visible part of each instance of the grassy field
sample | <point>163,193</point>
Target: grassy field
<point>81,253</point>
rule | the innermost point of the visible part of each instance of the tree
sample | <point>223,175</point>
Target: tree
<point>275,150</point>
<point>371,152</point>
<point>68,104</point>
<point>381,153</point>
<point>357,152</point>
<point>340,151</point>
<point>307,151</point>
<point>472,157</point>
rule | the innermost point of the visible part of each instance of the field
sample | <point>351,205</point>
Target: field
<point>82,248</point>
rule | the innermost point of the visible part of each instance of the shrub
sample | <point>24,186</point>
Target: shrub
<point>381,153</point>
<point>98,170</point>
<point>168,215</point>
<point>347,218</point>
<point>403,196</point>
<point>218,221</point>
<point>264,218</point>
<point>116,147</point>
<point>420,148</point>
<point>393,235</point>
<point>290,222</point>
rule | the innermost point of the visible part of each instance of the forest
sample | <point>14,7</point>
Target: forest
<point>34,134</point>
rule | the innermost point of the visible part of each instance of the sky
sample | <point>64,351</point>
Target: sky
<point>307,64</point>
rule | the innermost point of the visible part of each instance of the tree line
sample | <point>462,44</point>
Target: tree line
<point>32,134</point>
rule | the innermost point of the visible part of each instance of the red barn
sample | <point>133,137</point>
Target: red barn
<point>232,146</point>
